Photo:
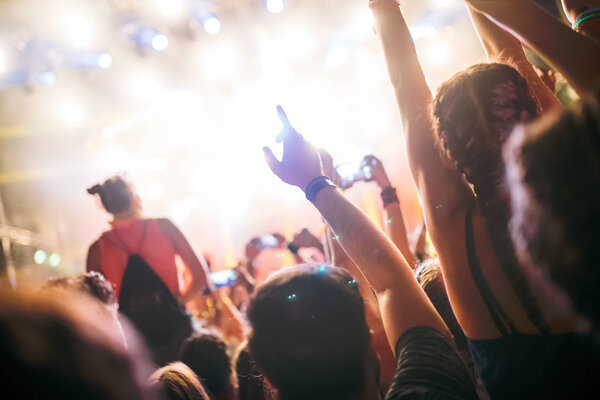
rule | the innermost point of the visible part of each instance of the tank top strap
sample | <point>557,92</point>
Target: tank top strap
<point>501,320</point>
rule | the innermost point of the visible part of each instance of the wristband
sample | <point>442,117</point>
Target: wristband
<point>315,186</point>
<point>389,196</point>
<point>372,3</point>
<point>589,13</point>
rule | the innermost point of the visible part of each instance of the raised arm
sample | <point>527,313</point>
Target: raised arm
<point>402,302</point>
<point>575,56</point>
<point>500,46</point>
<point>189,257</point>
<point>393,219</point>
<point>443,190</point>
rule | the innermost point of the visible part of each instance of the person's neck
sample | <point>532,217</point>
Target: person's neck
<point>125,215</point>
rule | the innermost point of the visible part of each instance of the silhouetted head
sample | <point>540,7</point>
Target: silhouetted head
<point>475,112</point>
<point>309,333</point>
<point>59,347</point>
<point>117,195</point>
<point>553,170</point>
<point>91,283</point>
<point>206,354</point>
<point>429,275</point>
<point>251,383</point>
<point>177,382</point>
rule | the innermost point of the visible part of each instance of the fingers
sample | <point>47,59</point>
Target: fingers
<point>288,130</point>
<point>272,161</point>
<point>283,118</point>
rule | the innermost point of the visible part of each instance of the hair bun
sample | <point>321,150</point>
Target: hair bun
<point>95,189</point>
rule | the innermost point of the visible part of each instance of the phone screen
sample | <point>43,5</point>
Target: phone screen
<point>226,277</point>
<point>268,242</point>
<point>354,172</point>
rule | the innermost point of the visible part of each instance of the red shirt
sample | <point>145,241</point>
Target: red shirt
<point>141,236</point>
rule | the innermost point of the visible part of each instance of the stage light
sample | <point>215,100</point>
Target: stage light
<point>212,25</point>
<point>47,78</point>
<point>54,260</point>
<point>39,257</point>
<point>72,112</point>
<point>160,42</point>
<point>275,6</point>
<point>105,60</point>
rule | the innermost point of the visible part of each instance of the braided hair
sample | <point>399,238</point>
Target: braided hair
<point>475,112</point>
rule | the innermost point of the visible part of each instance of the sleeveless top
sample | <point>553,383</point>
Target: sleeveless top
<point>146,238</point>
<point>525,366</point>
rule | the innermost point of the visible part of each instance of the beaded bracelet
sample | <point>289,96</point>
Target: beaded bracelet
<point>590,13</point>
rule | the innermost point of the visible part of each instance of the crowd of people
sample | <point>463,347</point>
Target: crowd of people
<point>504,305</point>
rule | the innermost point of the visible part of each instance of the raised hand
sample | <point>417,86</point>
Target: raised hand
<point>379,174</point>
<point>300,163</point>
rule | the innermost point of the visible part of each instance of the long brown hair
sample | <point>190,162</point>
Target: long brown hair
<point>475,111</point>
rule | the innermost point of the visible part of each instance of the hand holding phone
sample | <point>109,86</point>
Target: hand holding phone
<point>351,173</point>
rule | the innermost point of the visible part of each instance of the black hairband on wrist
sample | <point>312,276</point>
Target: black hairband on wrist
<point>389,196</point>
<point>316,185</point>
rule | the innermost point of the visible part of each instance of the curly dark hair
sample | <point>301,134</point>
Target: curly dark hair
<point>553,170</point>
<point>475,112</point>
<point>309,333</point>
<point>91,283</point>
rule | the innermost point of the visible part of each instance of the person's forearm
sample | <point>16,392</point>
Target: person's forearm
<point>500,46</point>
<point>573,55</point>
<point>396,230</point>
<point>382,264</point>
<point>401,59</point>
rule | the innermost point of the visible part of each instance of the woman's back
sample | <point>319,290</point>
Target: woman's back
<point>142,236</point>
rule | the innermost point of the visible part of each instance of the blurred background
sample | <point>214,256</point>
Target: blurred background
<point>181,95</point>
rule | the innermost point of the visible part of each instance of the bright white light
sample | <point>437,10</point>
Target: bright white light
<point>212,25</point>
<point>438,53</point>
<point>2,61</point>
<point>297,43</point>
<point>275,6</point>
<point>153,192</point>
<point>419,32</point>
<point>39,257</point>
<point>54,260</point>
<point>160,42</point>
<point>77,27</point>
<point>338,54</point>
<point>219,63</point>
<point>105,60</point>
<point>445,3</point>
<point>145,85</point>
<point>47,78</point>
<point>72,112</point>
<point>171,8</point>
